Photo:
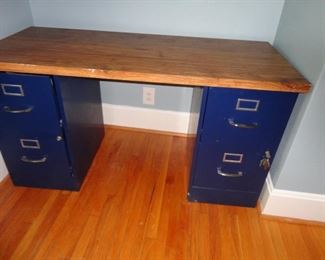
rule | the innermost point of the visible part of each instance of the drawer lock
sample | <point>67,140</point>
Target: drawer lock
<point>265,161</point>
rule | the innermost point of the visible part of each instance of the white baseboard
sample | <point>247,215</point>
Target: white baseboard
<point>153,119</point>
<point>3,168</point>
<point>291,204</point>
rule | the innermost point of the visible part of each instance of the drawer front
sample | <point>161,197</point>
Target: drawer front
<point>255,117</point>
<point>228,166</point>
<point>37,160</point>
<point>27,103</point>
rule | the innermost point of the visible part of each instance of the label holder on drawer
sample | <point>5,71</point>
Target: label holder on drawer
<point>12,90</point>
<point>244,104</point>
<point>30,143</point>
<point>232,157</point>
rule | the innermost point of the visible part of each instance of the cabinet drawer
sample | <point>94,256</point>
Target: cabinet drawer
<point>37,160</point>
<point>257,117</point>
<point>27,102</point>
<point>228,167</point>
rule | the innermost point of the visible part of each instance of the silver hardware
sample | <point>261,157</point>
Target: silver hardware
<point>13,111</point>
<point>268,154</point>
<point>240,125</point>
<point>226,174</point>
<point>226,158</point>
<point>265,161</point>
<point>240,104</point>
<point>30,143</point>
<point>19,93</point>
<point>25,159</point>
<point>59,138</point>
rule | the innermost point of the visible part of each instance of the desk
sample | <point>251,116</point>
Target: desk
<point>150,58</point>
<point>67,57</point>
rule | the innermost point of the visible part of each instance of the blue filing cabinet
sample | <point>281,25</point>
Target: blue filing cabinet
<point>51,128</point>
<point>238,134</point>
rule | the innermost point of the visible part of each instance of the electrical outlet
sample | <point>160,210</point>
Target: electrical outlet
<point>148,96</point>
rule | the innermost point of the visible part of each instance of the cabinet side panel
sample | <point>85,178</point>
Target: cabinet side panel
<point>80,104</point>
<point>198,105</point>
<point>196,102</point>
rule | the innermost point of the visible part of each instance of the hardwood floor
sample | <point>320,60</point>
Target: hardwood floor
<point>133,206</point>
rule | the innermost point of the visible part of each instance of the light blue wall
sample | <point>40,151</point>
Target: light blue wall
<point>300,36</point>
<point>15,15</point>
<point>130,94</point>
<point>299,164</point>
<point>241,19</point>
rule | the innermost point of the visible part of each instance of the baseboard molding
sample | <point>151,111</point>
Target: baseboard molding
<point>291,204</point>
<point>146,118</point>
<point>149,131</point>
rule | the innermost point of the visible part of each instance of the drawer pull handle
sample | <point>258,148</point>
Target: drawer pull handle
<point>9,110</point>
<point>25,159</point>
<point>239,125</point>
<point>226,174</point>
